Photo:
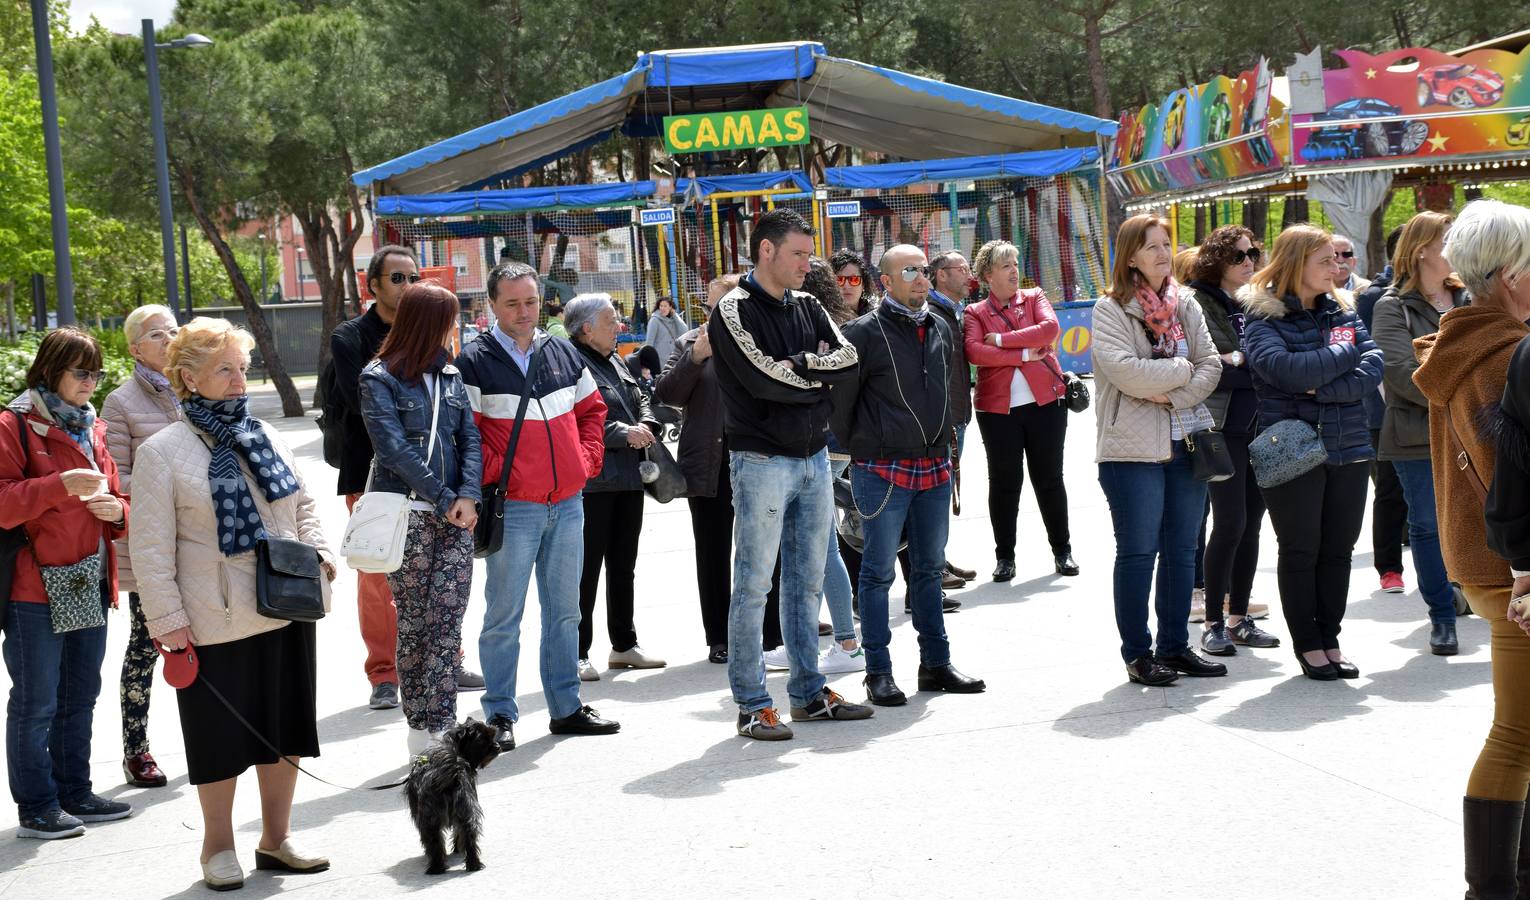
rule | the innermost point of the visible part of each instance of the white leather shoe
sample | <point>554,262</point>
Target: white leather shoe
<point>635,659</point>
<point>419,741</point>
<point>587,672</point>
<point>222,872</point>
<point>289,857</point>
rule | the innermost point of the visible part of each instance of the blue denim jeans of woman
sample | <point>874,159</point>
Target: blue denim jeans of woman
<point>925,517</point>
<point>1156,510</point>
<point>838,592</point>
<point>782,505</point>
<point>1417,478</point>
<point>55,679</point>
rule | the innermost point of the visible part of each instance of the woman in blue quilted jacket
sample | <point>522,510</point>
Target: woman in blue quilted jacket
<point>1313,360</point>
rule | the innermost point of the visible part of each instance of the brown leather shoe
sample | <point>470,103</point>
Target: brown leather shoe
<point>950,581</point>
<point>142,771</point>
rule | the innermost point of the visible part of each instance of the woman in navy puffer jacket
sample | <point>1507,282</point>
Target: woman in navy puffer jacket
<point>1312,359</point>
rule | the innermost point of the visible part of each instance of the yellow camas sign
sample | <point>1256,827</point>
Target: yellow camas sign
<point>735,130</point>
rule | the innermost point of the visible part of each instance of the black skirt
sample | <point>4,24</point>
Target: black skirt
<point>269,680</point>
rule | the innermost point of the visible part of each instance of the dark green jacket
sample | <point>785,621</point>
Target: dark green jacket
<point>1235,389</point>
<point>1399,318</point>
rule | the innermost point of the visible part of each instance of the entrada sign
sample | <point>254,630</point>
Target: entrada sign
<point>736,130</point>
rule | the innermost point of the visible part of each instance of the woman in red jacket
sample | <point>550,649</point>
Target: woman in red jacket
<point>1011,337</point>
<point>58,482</point>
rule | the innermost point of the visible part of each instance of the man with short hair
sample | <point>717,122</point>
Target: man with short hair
<point>1344,255</point>
<point>777,354</point>
<point>895,417</point>
<point>561,439</point>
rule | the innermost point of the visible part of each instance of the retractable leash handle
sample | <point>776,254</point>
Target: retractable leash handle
<point>182,670</point>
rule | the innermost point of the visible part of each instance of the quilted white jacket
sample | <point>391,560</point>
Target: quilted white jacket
<point>1131,428</point>
<point>183,578</point>
<point>134,412</point>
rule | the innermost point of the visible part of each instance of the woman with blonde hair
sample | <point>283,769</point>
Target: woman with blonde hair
<point>135,412</point>
<point>1184,264</point>
<point>1466,370</point>
<point>1422,290</point>
<point>1155,365</point>
<point>209,488</point>
<point>1313,361</point>
<point>1011,337</point>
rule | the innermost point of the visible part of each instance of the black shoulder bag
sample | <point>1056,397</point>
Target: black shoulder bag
<point>489,533</point>
<point>13,539</point>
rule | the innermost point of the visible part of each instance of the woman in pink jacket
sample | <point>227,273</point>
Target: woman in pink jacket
<point>1011,337</point>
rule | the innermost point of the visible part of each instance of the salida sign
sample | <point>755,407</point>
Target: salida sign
<point>736,130</point>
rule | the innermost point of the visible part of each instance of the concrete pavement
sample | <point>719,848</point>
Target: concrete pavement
<point>1062,781</point>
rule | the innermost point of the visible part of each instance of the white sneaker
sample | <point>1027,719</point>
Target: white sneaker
<point>777,659</point>
<point>634,659</point>
<point>837,660</point>
<point>587,672</point>
<point>421,740</point>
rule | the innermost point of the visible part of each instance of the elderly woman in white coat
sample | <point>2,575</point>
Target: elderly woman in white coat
<point>212,485</point>
<point>136,411</point>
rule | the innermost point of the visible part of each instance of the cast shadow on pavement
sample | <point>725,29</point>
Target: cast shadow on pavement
<point>737,758</point>
<point>991,592</point>
<point>1128,706</point>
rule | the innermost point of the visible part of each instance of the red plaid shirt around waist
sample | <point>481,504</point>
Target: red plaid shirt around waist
<point>911,474</point>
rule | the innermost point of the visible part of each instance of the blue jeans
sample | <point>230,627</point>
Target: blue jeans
<point>1417,478</point>
<point>837,590</point>
<point>925,516</point>
<point>780,504</point>
<point>550,537</point>
<point>1156,510</point>
<point>54,682</point>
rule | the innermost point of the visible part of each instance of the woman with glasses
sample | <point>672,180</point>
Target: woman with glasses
<point>1225,263</point>
<point>1012,339</point>
<point>59,483</point>
<point>135,412</point>
<point>854,279</point>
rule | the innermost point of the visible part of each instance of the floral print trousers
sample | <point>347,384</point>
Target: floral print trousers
<point>137,679</point>
<point>431,590</point>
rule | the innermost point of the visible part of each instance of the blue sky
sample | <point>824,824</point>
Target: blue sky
<point>124,16</point>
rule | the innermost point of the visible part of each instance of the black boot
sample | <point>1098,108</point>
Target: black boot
<point>1492,830</point>
<point>1524,860</point>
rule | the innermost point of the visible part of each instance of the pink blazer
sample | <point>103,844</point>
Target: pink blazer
<point>1028,322</point>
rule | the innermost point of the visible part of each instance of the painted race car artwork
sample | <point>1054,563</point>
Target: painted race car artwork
<point>1351,137</point>
<point>1460,85</point>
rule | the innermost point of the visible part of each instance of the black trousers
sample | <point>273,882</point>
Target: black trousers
<point>612,523</point>
<point>1232,551</point>
<point>1389,515</point>
<point>1317,519</point>
<point>712,527</point>
<point>1034,435</point>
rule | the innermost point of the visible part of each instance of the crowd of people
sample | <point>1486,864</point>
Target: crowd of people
<point>1231,381</point>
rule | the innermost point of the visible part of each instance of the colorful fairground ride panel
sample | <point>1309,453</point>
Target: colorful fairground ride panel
<point>1414,106</point>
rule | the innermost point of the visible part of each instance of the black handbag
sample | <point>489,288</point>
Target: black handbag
<point>670,480</point>
<point>13,539</point>
<point>1209,457</point>
<point>287,580</point>
<point>1075,392</point>
<point>489,533</point>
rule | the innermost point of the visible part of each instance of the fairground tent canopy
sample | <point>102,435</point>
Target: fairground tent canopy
<point>848,102</point>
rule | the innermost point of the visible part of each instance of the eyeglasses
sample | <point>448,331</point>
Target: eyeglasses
<point>910,273</point>
<point>398,277</point>
<point>1251,253</point>
<point>160,335</point>
<point>84,375</point>
<point>1344,254</point>
<point>848,280</point>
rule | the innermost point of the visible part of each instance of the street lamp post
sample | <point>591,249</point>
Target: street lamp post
<point>63,269</point>
<point>161,157</point>
<point>265,293</point>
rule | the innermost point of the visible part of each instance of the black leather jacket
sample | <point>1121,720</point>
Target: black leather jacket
<point>625,406</point>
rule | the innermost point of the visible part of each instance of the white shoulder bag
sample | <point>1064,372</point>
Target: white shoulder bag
<point>379,525</point>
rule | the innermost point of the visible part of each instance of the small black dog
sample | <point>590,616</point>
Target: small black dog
<point>443,793</point>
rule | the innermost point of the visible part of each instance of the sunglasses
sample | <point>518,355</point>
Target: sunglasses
<point>910,273</point>
<point>1344,254</point>
<point>848,280</point>
<point>399,277</point>
<point>1251,253</point>
<point>84,375</point>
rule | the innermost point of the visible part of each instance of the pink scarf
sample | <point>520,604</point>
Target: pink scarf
<point>1160,314</point>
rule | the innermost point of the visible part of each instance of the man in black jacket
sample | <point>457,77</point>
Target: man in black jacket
<point>895,417</point>
<point>352,345</point>
<point>777,354</point>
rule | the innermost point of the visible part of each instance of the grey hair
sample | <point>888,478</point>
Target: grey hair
<point>1489,239</point>
<point>132,327</point>
<point>1340,237</point>
<point>582,310</point>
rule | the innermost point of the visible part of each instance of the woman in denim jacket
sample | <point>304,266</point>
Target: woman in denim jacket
<point>411,378</point>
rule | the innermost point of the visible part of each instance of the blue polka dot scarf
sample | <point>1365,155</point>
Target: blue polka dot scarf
<point>236,434</point>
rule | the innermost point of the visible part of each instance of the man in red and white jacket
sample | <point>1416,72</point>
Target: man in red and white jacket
<point>560,446</point>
